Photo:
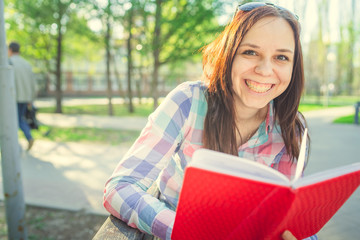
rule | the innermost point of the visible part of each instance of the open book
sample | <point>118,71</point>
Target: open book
<point>227,197</point>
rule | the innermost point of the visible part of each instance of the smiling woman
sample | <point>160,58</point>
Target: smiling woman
<point>260,66</point>
<point>246,105</point>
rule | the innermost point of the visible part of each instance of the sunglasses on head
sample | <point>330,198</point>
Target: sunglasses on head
<point>247,7</point>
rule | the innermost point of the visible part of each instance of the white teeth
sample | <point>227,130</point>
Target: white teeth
<point>258,87</point>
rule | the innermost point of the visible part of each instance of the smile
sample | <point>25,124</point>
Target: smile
<point>258,87</point>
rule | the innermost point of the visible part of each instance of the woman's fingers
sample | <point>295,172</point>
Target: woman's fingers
<point>287,235</point>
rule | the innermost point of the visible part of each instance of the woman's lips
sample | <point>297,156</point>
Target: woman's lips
<point>258,87</point>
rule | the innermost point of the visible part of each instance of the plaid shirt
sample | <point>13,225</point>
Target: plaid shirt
<point>163,150</point>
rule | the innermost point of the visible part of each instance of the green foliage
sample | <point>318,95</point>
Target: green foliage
<point>34,24</point>
<point>34,38</point>
<point>187,26</point>
<point>82,43</point>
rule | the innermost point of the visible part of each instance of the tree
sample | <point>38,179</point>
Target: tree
<point>130,14</point>
<point>110,14</point>
<point>104,12</point>
<point>48,21</point>
<point>181,29</point>
<point>317,51</point>
<point>141,35</point>
<point>156,52</point>
<point>352,41</point>
<point>341,49</point>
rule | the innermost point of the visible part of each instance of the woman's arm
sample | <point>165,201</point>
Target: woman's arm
<point>125,194</point>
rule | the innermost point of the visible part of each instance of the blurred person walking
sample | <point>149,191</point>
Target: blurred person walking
<point>25,88</point>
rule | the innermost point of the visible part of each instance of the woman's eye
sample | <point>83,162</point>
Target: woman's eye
<point>249,52</point>
<point>282,58</point>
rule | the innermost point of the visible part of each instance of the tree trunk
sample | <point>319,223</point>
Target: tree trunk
<point>339,67</point>
<point>350,75</point>
<point>323,45</point>
<point>47,83</point>
<point>107,44</point>
<point>156,53</point>
<point>58,92</point>
<point>340,59</point>
<point>130,67</point>
<point>140,79</point>
<point>117,75</point>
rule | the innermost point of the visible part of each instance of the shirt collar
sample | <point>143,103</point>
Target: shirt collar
<point>270,118</point>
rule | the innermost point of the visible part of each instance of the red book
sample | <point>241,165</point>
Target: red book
<point>227,197</point>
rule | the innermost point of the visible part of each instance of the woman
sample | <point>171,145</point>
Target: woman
<point>247,106</point>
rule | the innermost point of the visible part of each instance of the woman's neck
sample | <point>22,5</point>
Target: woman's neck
<point>248,121</point>
<point>244,115</point>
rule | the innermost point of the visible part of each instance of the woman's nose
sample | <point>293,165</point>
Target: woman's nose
<point>264,67</point>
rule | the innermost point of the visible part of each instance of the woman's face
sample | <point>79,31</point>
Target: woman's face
<point>263,64</point>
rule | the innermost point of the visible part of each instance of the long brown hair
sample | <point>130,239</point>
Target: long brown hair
<point>219,126</point>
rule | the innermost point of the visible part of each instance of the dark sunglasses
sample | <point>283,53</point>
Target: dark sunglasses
<point>247,7</point>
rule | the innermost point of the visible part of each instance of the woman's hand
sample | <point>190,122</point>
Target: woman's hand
<point>287,235</point>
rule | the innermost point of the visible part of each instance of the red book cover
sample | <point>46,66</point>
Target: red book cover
<point>226,197</point>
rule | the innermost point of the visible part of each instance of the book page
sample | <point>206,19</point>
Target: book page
<point>236,166</point>
<point>301,158</point>
<point>328,174</point>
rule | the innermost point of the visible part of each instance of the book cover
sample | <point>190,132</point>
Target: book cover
<point>227,197</point>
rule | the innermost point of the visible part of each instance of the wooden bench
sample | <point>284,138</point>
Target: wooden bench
<point>115,229</point>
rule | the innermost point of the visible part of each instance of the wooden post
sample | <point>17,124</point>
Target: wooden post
<point>10,151</point>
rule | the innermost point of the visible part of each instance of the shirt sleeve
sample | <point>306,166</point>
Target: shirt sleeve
<point>125,194</point>
<point>314,237</point>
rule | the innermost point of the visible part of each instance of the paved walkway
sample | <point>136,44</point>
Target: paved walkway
<point>334,145</point>
<point>72,175</point>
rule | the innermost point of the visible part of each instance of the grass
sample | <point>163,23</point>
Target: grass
<point>83,134</point>
<point>342,120</point>
<point>94,135</point>
<point>113,137</point>
<point>119,110</point>
<point>332,100</point>
<point>140,111</point>
<point>308,103</point>
<point>350,119</point>
<point>312,107</point>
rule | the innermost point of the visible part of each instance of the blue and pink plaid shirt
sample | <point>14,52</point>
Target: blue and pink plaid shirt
<point>163,150</point>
